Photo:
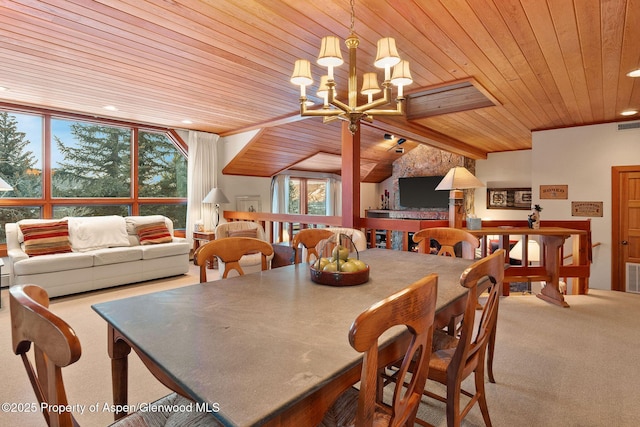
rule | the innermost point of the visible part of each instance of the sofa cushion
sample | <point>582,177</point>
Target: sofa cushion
<point>135,221</point>
<point>177,247</point>
<point>52,263</point>
<point>116,255</point>
<point>244,233</point>
<point>90,233</point>
<point>154,233</point>
<point>46,238</point>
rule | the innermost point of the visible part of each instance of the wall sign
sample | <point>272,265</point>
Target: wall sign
<point>557,192</point>
<point>589,209</point>
<point>509,198</point>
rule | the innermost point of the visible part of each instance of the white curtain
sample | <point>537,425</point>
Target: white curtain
<point>202,177</point>
<point>279,193</point>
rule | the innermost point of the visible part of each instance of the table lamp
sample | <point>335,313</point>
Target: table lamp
<point>456,180</point>
<point>216,196</point>
<point>4,186</point>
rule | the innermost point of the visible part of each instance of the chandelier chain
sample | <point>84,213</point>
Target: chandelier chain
<point>353,16</point>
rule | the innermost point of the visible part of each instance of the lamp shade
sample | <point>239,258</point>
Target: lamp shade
<point>533,251</point>
<point>387,53</point>
<point>401,74</point>
<point>4,186</point>
<point>330,54</point>
<point>370,84</point>
<point>459,178</point>
<point>302,73</point>
<point>323,89</point>
<point>215,196</point>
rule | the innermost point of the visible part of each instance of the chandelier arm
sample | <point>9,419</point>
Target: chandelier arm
<point>399,111</point>
<point>320,113</point>
<point>339,104</point>
<point>378,102</point>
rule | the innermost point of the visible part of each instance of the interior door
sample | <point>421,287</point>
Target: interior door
<point>625,240</point>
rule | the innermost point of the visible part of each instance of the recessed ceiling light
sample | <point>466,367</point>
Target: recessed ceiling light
<point>634,73</point>
<point>187,122</point>
<point>629,112</point>
<point>3,89</point>
<point>110,108</point>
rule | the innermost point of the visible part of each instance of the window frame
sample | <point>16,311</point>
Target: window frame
<point>46,202</point>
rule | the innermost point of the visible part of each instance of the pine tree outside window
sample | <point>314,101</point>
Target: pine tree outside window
<point>95,168</point>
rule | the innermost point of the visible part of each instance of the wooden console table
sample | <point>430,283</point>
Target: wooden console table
<point>552,239</point>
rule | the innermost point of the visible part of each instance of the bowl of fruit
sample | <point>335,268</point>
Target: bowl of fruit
<point>339,263</point>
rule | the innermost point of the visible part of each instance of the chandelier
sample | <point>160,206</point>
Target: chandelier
<point>330,57</point>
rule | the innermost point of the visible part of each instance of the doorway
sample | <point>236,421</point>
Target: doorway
<point>625,239</point>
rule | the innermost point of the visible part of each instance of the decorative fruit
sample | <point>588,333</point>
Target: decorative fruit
<point>321,263</point>
<point>360,265</point>
<point>340,252</point>
<point>348,267</point>
<point>332,267</point>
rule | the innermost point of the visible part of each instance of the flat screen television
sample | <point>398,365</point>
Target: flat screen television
<point>420,192</point>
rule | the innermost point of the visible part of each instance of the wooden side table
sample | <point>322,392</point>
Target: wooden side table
<point>205,236</point>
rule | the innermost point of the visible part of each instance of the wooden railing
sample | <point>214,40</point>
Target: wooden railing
<point>397,235</point>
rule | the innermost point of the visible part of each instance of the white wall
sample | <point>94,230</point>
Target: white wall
<point>502,170</point>
<point>233,185</point>
<point>580,157</point>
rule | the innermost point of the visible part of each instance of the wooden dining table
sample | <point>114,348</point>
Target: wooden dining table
<point>269,348</point>
<point>552,239</point>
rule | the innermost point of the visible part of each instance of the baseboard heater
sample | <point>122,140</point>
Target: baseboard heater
<point>633,277</point>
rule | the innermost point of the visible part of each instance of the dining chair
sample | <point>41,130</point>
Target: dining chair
<point>413,307</point>
<point>56,345</point>
<point>447,238</point>
<point>309,238</point>
<point>230,250</point>
<point>455,358</point>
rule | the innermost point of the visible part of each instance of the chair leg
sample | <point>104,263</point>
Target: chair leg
<point>490,349</point>
<point>453,405</point>
<point>482,396</point>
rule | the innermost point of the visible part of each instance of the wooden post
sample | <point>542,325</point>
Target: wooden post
<point>350,177</point>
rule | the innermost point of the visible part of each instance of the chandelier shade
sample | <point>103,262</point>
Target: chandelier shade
<point>387,53</point>
<point>333,108</point>
<point>370,84</point>
<point>330,54</point>
<point>302,73</point>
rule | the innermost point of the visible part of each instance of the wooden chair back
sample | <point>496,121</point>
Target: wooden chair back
<point>447,238</point>
<point>451,365</point>
<point>230,250</point>
<point>414,307</point>
<point>309,238</point>
<point>55,345</point>
<point>474,336</point>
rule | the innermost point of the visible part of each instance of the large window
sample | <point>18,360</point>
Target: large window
<point>85,168</point>
<point>308,196</point>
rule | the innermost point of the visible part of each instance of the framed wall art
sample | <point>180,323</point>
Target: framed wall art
<point>248,204</point>
<point>509,198</point>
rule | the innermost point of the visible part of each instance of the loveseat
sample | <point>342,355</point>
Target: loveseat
<point>78,254</point>
<point>250,263</point>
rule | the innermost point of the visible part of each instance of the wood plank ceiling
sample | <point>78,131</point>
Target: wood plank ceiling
<point>225,66</point>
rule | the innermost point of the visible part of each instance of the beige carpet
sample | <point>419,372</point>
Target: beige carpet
<point>554,367</point>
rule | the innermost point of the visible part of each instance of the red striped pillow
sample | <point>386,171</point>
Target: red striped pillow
<point>155,232</point>
<point>252,232</point>
<point>46,238</point>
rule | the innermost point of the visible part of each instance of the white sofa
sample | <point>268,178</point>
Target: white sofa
<point>106,251</point>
